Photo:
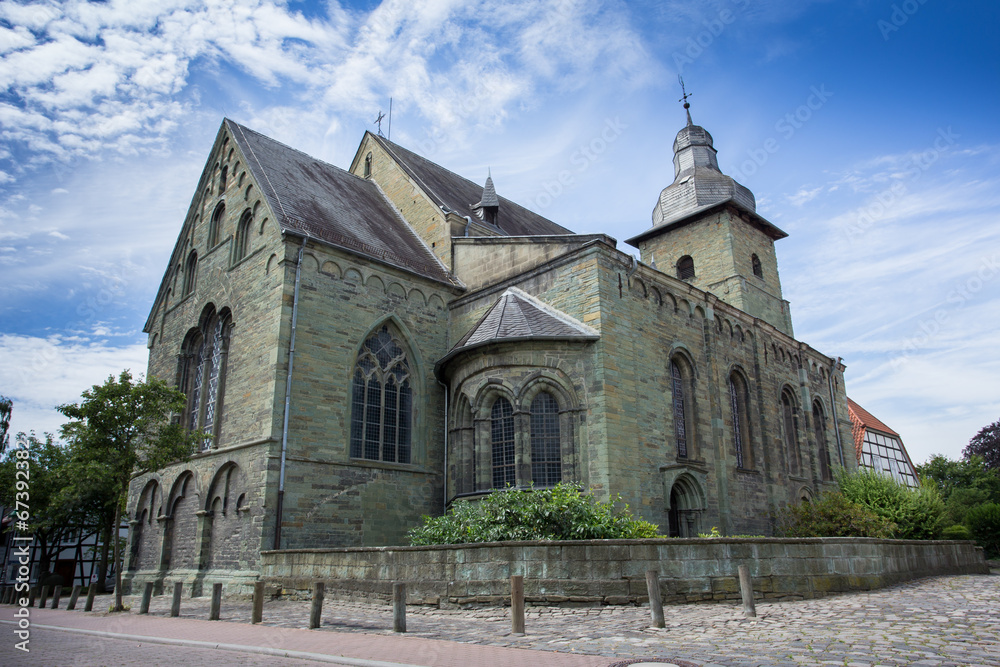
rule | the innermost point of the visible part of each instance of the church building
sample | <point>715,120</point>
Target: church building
<point>365,346</point>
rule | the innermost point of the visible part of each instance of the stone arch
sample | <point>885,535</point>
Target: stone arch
<point>741,425</point>
<point>804,495</point>
<point>182,528</point>
<point>417,296</point>
<point>682,407</point>
<point>699,312</point>
<point>352,275</point>
<point>544,380</point>
<point>462,462</point>
<point>685,504</point>
<point>789,412</point>
<point>550,429</point>
<point>436,301</point>
<point>263,223</point>
<point>727,329</point>
<point>375,284</point>
<point>225,539</point>
<point>655,295</point>
<point>638,287</point>
<point>670,300</point>
<point>145,545</point>
<point>395,289</point>
<point>331,269</point>
<point>310,262</point>
<point>272,262</point>
<point>684,307</point>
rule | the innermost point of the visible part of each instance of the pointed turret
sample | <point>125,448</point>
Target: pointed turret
<point>489,203</point>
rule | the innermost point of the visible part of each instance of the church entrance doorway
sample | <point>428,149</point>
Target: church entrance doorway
<point>685,508</point>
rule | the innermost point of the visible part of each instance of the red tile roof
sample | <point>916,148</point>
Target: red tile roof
<point>861,420</point>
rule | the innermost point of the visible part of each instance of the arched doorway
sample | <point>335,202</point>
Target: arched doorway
<point>686,505</point>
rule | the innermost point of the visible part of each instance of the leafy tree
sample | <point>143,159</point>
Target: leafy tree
<point>47,469</point>
<point>917,513</point>
<point>963,484</point>
<point>6,408</point>
<point>832,515</point>
<point>984,524</point>
<point>558,513</point>
<point>123,428</point>
<point>986,443</point>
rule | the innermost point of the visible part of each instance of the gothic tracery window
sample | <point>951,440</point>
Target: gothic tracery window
<point>190,273</point>
<point>204,374</point>
<point>215,226</point>
<point>546,456</point>
<point>741,421</point>
<point>381,401</point>
<point>680,409</point>
<point>242,248</point>
<point>819,425</point>
<point>788,427</point>
<point>502,444</point>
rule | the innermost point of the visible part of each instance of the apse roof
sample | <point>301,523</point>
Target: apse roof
<point>451,191</point>
<point>327,203</point>
<point>518,316</point>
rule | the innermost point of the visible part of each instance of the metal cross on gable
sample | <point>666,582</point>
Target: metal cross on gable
<point>378,121</point>
<point>684,99</point>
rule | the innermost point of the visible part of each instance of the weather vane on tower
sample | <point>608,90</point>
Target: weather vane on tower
<point>378,121</point>
<point>684,99</point>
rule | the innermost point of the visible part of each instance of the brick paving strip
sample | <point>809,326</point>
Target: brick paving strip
<point>939,621</point>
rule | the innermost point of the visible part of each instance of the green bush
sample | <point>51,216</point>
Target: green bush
<point>918,514</point>
<point>984,524</point>
<point>831,515</point>
<point>558,513</point>
<point>956,532</point>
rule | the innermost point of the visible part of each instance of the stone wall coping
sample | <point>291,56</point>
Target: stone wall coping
<point>622,542</point>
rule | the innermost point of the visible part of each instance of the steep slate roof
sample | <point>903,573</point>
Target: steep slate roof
<point>329,204</point>
<point>459,194</point>
<point>861,419</point>
<point>518,316</point>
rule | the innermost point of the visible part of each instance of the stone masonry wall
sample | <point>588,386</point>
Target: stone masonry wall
<point>613,571</point>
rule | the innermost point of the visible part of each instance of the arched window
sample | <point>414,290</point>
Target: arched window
<point>204,375</point>
<point>368,165</point>
<point>222,179</point>
<point>242,248</point>
<point>757,269</point>
<point>215,227</point>
<point>685,267</point>
<point>381,401</point>
<point>741,421</point>
<point>502,443</point>
<point>190,272</point>
<point>819,425</point>
<point>546,456</point>
<point>789,428</point>
<point>681,401</point>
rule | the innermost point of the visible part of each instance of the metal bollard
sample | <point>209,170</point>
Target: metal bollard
<point>213,614</point>
<point>399,607</point>
<point>56,596</point>
<point>175,605</point>
<point>74,596</point>
<point>655,603</point>
<point>316,610</point>
<point>91,593</point>
<point>258,602</point>
<point>517,604</point>
<point>147,594</point>
<point>746,590</point>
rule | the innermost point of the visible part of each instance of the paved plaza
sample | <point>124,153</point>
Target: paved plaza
<point>951,620</point>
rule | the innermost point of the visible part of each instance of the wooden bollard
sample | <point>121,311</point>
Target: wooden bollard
<point>655,602</point>
<point>44,597</point>
<point>74,596</point>
<point>147,595</point>
<point>91,594</point>
<point>517,604</point>
<point>55,597</point>
<point>32,594</point>
<point>399,607</point>
<point>213,614</point>
<point>316,610</point>
<point>746,590</point>
<point>7,594</point>
<point>175,604</point>
<point>258,602</point>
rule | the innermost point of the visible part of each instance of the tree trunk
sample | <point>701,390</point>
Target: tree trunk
<point>102,569</point>
<point>117,560</point>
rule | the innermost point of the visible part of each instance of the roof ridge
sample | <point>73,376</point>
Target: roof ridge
<point>552,311</point>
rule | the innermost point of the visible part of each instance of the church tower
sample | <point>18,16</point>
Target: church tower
<point>706,231</point>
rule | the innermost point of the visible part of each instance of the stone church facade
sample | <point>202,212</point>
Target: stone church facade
<point>361,347</point>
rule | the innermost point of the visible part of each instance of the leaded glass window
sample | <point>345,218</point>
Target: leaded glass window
<point>819,425</point>
<point>205,376</point>
<point>546,457</point>
<point>739,414</point>
<point>791,438</point>
<point>381,401</point>
<point>502,441</point>
<point>680,410</point>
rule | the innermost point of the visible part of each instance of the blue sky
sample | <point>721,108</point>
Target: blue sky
<point>867,130</point>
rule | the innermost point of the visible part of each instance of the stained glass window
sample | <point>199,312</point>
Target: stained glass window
<point>738,404</point>
<point>502,441</point>
<point>791,438</point>
<point>680,410</point>
<point>204,375</point>
<point>546,457</point>
<point>381,401</point>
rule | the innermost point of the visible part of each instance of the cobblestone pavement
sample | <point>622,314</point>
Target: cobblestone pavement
<point>935,621</point>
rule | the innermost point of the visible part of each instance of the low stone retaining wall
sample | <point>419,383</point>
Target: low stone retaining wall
<point>613,571</point>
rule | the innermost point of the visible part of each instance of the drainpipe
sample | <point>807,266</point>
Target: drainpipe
<point>833,407</point>
<point>445,492</point>
<point>288,396</point>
